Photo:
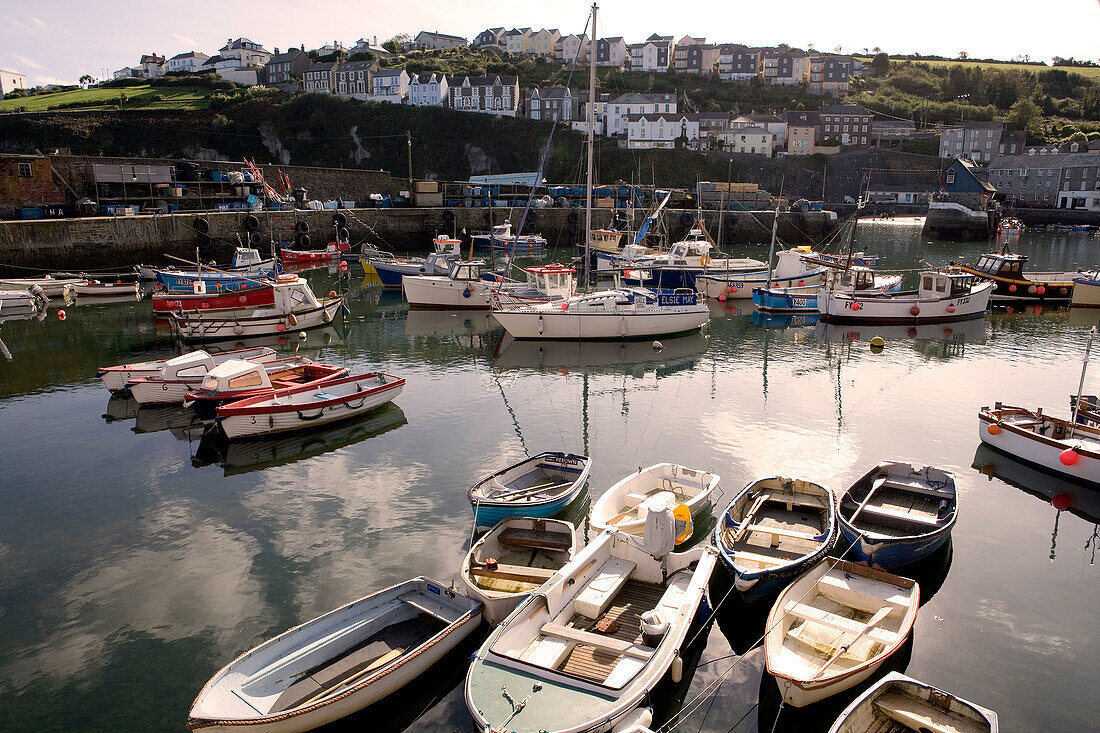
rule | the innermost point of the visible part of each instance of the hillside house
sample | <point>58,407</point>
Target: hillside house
<point>738,63</point>
<point>428,90</point>
<point>751,140</point>
<point>660,130</point>
<point>435,41</point>
<point>830,74</point>
<point>611,52</point>
<point>774,124</point>
<point>572,47</point>
<point>489,38</point>
<point>389,85</point>
<point>622,107</point>
<point>978,141</point>
<point>151,65</point>
<point>1080,187</point>
<point>10,81</point>
<point>542,43</point>
<point>785,68</point>
<point>558,104</point>
<point>695,56</point>
<point>848,123</point>
<point>655,54</point>
<point>498,95</point>
<point>353,79</point>
<point>320,78</point>
<point>517,41</point>
<point>284,68</point>
<point>189,61</point>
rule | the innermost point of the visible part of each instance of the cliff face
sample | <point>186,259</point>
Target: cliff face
<point>323,130</point>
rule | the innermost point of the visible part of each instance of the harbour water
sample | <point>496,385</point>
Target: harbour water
<point>139,557</point>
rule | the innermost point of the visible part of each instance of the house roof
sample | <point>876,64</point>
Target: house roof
<point>437,34</point>
<point>212,60</point>
<point>189,55</point>
<point>635,98</point>
<point>433,77</point>
<point>844,109</point>
<point>1023,160</point>
<point>761,118</point>
<point>552,92</point>
<point>386,73</point>
<point>801,118</point>
<point>356,66</point>
<point>288,56</point>
<point>147,58</point>
<point>978,125</point>
<point>1077,160</point>
<point>482,81</point>
<point>972,169</point>
<point>324,66</point>
<point>751,130</point>
<point>611,39</point>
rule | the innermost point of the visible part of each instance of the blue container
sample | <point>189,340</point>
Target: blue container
<point>31,212</point>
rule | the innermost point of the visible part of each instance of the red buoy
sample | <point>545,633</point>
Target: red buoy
<point>733,288</point>
<point>281,327</point>
<point>1012,288</point>
<point>722,298</point>
<point>343,266</point>
<point>950,309</point>
<point>61,315</point>
<point>565,306</point>
<point>801,283</point>
<point>1063,291</point>
<point>857,305</point>
<point>911,333</point>
<point>994,429</point>
<point>1068,457</point>
<point>1041,290</point>
<point>1062,501</point>
<point>914,311</point>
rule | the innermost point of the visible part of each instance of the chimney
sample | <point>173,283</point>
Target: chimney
<point>276,50</point>
<point>375,41</point>
<point>303,47</point>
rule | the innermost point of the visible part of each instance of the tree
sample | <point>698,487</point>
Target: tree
<point>963,55</point>
<point>876,49</point>
<point>393,45</point>
<point>880,64</point>
<point>1026,115</point>
<point>86,80</point>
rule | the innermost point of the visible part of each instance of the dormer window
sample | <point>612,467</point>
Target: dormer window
<point>950,178</point>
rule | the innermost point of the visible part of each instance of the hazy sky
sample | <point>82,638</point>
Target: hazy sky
<point>60,40</point>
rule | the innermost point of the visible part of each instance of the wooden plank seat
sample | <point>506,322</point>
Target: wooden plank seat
<point>888,513</point>
<point>519,573</point>
<point>839,623</point>
<point>793,500</point>
<point>918,487</point>
<point>781,532</point>
<point>841,589</point>
<point>535,539</point>
<point>599,641</point>
<point>740,555</point>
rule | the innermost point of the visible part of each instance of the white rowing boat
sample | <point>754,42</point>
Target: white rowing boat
<point>337,663</point>
<point>625,505</point>
<point>900,704</point>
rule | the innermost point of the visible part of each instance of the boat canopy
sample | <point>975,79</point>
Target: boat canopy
<point>854,278</point>
<point>194,364</point>
<point>246,257</point>
<point>236,374</point>
<point>945,284</point>
<point>551,279</point>
<point>467,270</point>
<point>1001,264</point>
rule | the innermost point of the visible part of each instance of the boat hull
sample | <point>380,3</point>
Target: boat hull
<point>158,392</point>
<point>1057,287</point>
<point>254,297</point>
<point>943,710</point>
<point>444,293</point>
<point>214,327</point>
<point>893,553</point>
<point>1086,294</point>
<point>548,324</point>
<point>1040,451</point>
<point>849,308</point>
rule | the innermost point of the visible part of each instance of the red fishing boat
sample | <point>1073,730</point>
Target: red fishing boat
<point>258,296</point>
<point>329,254</point>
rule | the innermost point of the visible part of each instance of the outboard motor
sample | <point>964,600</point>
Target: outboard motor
<point>40,298</point>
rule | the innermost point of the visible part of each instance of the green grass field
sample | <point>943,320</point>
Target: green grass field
<point>1089,72</point>
<point>137,97</point>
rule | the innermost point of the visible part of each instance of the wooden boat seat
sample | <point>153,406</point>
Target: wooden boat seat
<point>793,500</point>
<point>780,532</point>
<point>840,623</point>
<point>633,498</point>
<point>839,589</point>
<point>535,539</point>
<point>594,599</point>
<point>881,511</point>
<point>829,633</point>
<point>599,641</point>
<point>762,559</point>
<point>918,714</point>
<point>422,603</point>
<point>918,487</point>
<point>519,573</point>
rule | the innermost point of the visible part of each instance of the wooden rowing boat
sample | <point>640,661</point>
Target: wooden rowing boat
<point>539,486</point>
<point>1067,449</point>
<point>834,626</point>
<point>774,529</point>
<point>239,380</point>
<point>514,558</point>
<point>897,513</point>
<point>337,663</point>
<point>900,704</point>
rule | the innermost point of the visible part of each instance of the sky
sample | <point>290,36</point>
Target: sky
<point>58,41</point>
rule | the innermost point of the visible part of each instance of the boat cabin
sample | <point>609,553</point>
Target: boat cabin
<point>552,280</point>
<point>945,284</point>
<point>502,231</point>
<point>246,257</point>
<point>689,248</point>
<point>850,280</point>
<point>468,270</point>
<point>235,374</point>
<point>188,366</point>
<point>605,240</point>
<point>445,245</point>
<point>1002,265</point>
<point>293,294</point>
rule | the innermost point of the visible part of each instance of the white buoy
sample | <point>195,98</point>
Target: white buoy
<point>302,336</point>
<point>658,346</point>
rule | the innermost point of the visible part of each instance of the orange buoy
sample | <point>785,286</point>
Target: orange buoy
<point>61,315</point>
<point>993,429</point>
<point>1068,457</point>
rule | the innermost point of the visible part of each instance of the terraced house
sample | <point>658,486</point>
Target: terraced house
<point>498,95</point>
<point>434,41</point>
<point>738,63</point>
<point>428,90</point>
<point>661,130</point>
<point>848,123</point>
<point>354,79</point>
<point>695,56</point>
<point>655,54</point>
<point>554,103</point>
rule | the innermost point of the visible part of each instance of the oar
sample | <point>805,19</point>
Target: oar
<point>214,269</point>
<point>512,496</point>
<point>382,660</point>
<point>874,487</point>
<point>534,489</point>
<point>882,613</point>
<point>747,519</point>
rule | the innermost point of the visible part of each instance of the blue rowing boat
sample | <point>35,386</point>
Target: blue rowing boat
<point>896,514</point>
<point>540,487</point>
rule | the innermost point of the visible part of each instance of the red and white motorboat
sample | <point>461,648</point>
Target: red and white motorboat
<point>259,296</point>
<point>115,377</point>
<point>329,254</point>
<point>239,380</point>
<point>180,375</point>
<point>308,406</point>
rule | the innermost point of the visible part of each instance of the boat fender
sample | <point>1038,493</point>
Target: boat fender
<point>950,309</point>
<point>1031,290</point>
<point>914,311</point>
<point>677,669</point>
<point>1040,290</point>
<point>280,327</point>
<point>293,319</point>
<point>540,324</point>
<point>61,315</point>
<point>302,227</point>
<point>705,260</point>
<point>1012,288</point>
<point>466,293</point>
<point>994,429</point>
<point>1062,291</point>
<point>1068,457</point>
<point>302,336</point>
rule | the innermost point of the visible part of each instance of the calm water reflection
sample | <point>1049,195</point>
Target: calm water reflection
<point>141,554</point>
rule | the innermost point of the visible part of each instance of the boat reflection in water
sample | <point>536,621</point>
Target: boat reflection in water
<point>292,343</point>
<point>121,406</point>
<point>242,456</point>
<point>783,320</point>
<point>182,421</point>
<point>467,328</point>
<point>944,340</point>
<point>1063,495</point>
<point>520,354</point>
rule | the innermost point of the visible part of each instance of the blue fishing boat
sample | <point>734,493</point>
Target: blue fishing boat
<point>184,280</point>
<point>803,299</point>
<point>392,270</point>
<point>540,487</point>
<point>897,513</point>
<point>774,530</point>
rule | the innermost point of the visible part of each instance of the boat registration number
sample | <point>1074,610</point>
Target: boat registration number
<point>960,301</point>
<point>799,302</point>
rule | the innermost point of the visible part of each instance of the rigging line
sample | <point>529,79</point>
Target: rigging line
<point>742,718</point>
<point>512,413</point>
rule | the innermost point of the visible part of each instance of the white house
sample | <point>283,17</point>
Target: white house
<point>151,65</point>
<point>369,45</point>
<point>10,81</point>
<point>389,85</point>
<point>599,121</point>
<point>428,90</point>
<point>245,52</point>
<point>749,140</point>
<point>774,124</point>
<point>572,47</point>
<point>191,62</point>
<point>661,130</point>
<point>127,72</point>
<point>622,107</point>
<point>498,95</point>
<point>434,41</point>
<point>655,54</point>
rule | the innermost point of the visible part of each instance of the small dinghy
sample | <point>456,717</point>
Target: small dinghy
<point>115,377</point>
<point>663,485</point>
<point>52,287</point>
<point>180,375</point>
<point>513,559</point>
<point>97,289</point>
<point>897,513</point>
<point>299,408</point>
<point>337,663</point>
<point>540,486</point>
<point>238,379</point>
<point>900,704</point>
<point>775,529</point>
<point>833,627</point>
<point>584,652</point>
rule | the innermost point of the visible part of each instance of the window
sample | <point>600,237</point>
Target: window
<point>25,170</point>
<point>950,178</point>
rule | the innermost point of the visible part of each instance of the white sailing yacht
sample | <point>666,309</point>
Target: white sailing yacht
<point>617,314</point>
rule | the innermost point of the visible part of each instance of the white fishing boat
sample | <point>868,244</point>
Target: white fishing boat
<point>52,287</point>
<point>98,289</point>
<point>681,265</point>
<point>802,298</point>
<point>463,288</point>
<point>586,649</point>
<point>182,374</point>
<point>793,269</point>
<point>545,284</point>
<point>615,315</point>
<point>942,296</point>
<point>900,704</point>
<point>1086,290</point>
<point>501,237</point>
<point>834,627</point>
<point>296,308</point>
<point>513,559</point>
<point>301,408</point>
<point>661,486</point>
<point>539,486</point>
<point>391,270</point>
<point>115,377</point>
<point>1068,448</point>
<point>337,663</point>
<point>14,302</point>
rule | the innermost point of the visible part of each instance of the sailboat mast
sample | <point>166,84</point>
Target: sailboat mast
<point>591,132</point>
<point>1081,384</point>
